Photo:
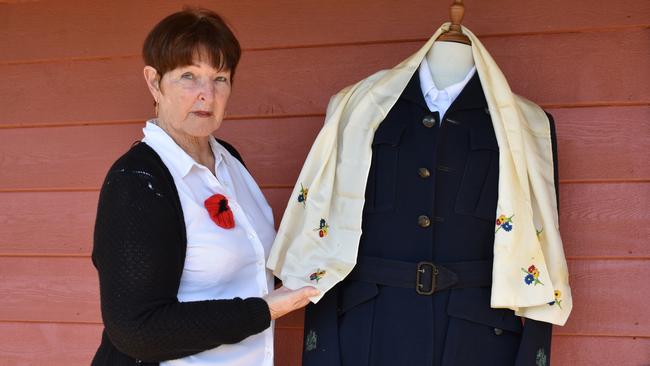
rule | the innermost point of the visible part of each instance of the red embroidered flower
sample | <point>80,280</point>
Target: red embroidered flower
<point>316,276</point>
<point>504,222</point>
<point>220,212</point>
<point>323,228</point>
<point>532,275</point>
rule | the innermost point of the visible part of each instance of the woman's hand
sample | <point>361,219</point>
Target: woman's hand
<point>283,301</point>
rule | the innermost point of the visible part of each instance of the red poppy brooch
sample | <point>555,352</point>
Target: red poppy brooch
<point>220,212</point>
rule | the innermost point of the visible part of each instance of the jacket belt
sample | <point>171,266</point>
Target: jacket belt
<point>425,277</point>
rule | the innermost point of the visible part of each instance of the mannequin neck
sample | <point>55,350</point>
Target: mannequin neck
<point>449,63</point>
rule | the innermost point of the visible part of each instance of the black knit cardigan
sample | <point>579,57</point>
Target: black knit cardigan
<point>139,252</point>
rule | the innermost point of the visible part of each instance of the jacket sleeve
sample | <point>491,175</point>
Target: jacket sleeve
<point>535,346</point>
<point>139,261</point>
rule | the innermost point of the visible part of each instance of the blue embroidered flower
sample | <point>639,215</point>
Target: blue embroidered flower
<point>316,276</point>
<point>529,279</point>
<point>302,197</point>
<point>504,222</point>
<point>532,275</point>
<point>558,299</point>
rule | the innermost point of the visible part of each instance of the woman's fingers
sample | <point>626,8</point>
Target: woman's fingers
<point>283,300</point>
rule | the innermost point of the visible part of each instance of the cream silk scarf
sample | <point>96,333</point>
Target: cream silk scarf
<point>319,235</point>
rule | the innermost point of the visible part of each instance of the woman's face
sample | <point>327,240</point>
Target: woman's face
<point>192,99</point>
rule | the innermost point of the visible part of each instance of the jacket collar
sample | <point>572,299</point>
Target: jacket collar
<point>471,97</point>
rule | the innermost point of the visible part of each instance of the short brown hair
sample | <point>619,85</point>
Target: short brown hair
<point>177,39</point>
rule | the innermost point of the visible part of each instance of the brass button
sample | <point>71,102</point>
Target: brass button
<point>498,331</point>
<point>429,121</point>
<point>424,173</point>
<point>424,221</point>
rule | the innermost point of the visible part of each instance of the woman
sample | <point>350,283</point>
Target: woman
<point>182,231</point>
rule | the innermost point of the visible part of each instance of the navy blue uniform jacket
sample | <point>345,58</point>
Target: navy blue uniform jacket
<point>431,196</point>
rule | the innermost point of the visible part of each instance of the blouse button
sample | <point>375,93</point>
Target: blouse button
<point>498,331</point>
<point>424,173</point>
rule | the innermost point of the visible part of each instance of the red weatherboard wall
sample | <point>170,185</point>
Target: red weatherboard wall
<point>72,99</point>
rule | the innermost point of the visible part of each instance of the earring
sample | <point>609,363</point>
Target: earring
<point>155,107</point>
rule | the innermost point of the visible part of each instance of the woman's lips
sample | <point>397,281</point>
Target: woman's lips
<point>202,114</point>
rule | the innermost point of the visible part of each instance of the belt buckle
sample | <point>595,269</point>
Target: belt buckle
<point>418,277</point>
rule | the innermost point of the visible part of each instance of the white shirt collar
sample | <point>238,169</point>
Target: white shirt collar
<point>180,160</point>
<point>433,95</point>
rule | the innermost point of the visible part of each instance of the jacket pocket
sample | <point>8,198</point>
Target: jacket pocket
<point>381,189</point>
<point>478,334</point>
<point>478,191</point>
<point>354,293</point>
<point>356,321</point>
<point>473,304</point>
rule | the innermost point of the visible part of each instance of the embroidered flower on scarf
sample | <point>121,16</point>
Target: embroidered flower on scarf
<point>322,228</point>
<point>302,197</point>
<point>316,276</point>
<point>532,276</point>
<point>539,232</point>
<point>504,222</point>
<point>558,299</point>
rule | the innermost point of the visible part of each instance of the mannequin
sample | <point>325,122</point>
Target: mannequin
<point>449,62</point>
<point>419,293</point>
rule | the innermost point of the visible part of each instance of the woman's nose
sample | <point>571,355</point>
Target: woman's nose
<point>206,93</point>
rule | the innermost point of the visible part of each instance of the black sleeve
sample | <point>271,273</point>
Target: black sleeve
<point>556,177</point>
<point>231,149</point>
<point>136,253</point>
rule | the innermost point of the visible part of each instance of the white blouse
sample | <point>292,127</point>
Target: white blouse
<point>437,99</point>
<point>220,263</point>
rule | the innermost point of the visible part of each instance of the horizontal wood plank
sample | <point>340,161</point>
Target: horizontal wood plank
<point>601,289</point>
<point>61,223</point>
<point>587,351</point>
<point>51,344</point>
<point>55,344</point>
<point>50,223</point>
<point>596,220</point>
<point>592,146</point>
<point>603,143</point>
<point>79,157</point>
<point>49,289</point>
<point>65,290</point>
<point>609,220</point>
<point>46,30</point>
<point>552,69</point>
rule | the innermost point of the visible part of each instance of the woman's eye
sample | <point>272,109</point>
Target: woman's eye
<point>221,79</point>
<point>188,76</point>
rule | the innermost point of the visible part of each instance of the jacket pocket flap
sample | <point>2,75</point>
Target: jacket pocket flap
<point>473,304</point>
<point>354,293</point>
<point>483,139</point>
